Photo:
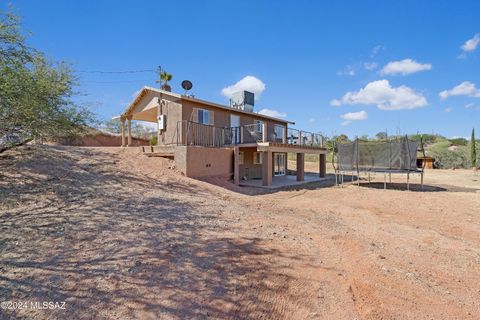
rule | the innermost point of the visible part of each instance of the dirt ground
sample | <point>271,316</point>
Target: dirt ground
<point>116,235</point>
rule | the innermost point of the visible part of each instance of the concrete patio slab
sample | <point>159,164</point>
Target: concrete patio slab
<point>283,181</point>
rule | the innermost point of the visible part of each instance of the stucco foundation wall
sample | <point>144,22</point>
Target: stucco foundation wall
<point>248,169</point>
<point>198,162</point>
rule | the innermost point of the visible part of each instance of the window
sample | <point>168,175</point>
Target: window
<point>240,157</point>
<point>257,158</point>
<point>279,132</point>
<point>258,125</point>
<point>204,116</point>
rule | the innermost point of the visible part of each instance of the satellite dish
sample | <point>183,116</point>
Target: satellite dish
<point>187,85</point>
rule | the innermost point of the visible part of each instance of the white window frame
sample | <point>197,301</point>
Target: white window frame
<point>279,130</point>
<point>204,114</point>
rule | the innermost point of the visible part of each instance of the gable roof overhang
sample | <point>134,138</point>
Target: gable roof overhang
<point>178,97</point>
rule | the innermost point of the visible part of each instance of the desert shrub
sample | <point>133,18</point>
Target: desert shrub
<point>449,159</point>
<point>154,141</point>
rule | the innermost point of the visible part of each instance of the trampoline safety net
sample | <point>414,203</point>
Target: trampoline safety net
<point>380,156</point>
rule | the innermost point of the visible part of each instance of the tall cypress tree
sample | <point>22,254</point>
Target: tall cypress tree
<point>473,150</point>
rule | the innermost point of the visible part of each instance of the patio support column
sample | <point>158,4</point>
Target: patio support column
<point>284,135</point>
<point>264,132</point>
<point>129,132</point>
<point>123,131</point>
<point>159,132</point>
<point>236,165</point>
<point>267,168</point>
<point>300,166</point>
<point>323,165</point>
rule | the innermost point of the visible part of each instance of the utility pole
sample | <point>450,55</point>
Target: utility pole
<point>159,73</point>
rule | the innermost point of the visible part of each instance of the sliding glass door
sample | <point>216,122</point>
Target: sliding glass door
<point>279,164</point>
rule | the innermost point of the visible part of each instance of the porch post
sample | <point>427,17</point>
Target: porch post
<point>129,132</point>
<point>300,166</point>
<point>159,133</point>
<point>284,135</point>
<point>236,165</point>
<point>267,168</point>
<point>323,165</point>
<point>264,132</point>
<point>123,131</point>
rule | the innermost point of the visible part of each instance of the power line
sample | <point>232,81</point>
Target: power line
<point>119,81</point>
<point>116,72</point>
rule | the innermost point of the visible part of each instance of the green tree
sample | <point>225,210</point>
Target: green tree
<point>473,150</point>
<point>35,94</point>
<point>165,78</point>
<point>381,135</point>
<point>139,129</point>
<point>112,126</point>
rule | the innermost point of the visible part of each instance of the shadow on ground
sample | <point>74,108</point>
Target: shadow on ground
<point>113,245</point>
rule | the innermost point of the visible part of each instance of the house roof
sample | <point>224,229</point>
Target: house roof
<point>146,89</point>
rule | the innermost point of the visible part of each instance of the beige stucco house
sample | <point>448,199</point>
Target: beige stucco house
<point>209,139</point>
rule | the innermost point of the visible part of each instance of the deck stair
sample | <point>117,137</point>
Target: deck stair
<point>159,151</point>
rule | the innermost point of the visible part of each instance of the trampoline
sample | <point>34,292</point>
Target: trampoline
<point>376,157</point>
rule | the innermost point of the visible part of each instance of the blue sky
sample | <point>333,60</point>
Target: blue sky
<point>332,67</point>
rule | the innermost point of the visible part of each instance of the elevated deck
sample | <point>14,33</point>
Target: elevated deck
<point>292,148</point>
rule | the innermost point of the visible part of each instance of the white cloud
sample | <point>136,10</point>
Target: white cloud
<point>248,83</point>
<point>448,110</point>
<point>272,113</point>
<point>471,44</point>
<point>355,116</point>
<point>335,103</point>
<point>311,120</point>
<point>376,50</point>
<point>370,65</point>
<point>348,71</point>
<point>404,67</point>
<point>469,105</point>
<point>384,96</point>
<point>465,88</point>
